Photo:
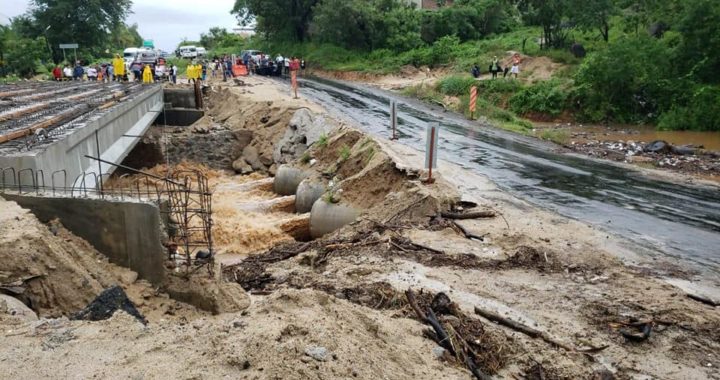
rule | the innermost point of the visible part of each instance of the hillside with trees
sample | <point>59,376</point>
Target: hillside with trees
<point>648,61</point>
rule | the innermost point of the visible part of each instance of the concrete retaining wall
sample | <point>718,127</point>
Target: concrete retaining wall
<point>129,234</point>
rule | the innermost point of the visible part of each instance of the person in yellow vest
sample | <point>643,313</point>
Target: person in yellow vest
<point>118,67</point>
<point>147,75</point>
<point>190,72</point>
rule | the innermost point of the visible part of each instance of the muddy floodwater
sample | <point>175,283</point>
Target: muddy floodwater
<point>708,140</point>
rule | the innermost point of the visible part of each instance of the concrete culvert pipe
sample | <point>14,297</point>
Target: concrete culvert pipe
<point>287,180</point>
<point>308,192</point>
<point>327,217</point>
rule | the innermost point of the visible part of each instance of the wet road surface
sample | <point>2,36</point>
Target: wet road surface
<point>661,218</point>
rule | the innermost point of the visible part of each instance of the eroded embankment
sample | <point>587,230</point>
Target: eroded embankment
<point>338,306</point>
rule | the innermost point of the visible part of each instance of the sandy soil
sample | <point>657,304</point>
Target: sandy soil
<point>335,308</point>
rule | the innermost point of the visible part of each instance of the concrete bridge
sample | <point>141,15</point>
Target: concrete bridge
<point>52,127</point>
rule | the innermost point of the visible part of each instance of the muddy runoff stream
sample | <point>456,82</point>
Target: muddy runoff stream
<point>659,218</point>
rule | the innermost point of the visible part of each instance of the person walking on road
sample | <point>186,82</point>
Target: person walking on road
<point>78,72</point>
<point>118,67</point>
<point>147,75</point>
<point>294,68</point>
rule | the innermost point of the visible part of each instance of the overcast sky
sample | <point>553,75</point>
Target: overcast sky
<point>165,24</point>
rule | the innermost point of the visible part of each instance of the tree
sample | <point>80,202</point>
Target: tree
<point>548,14</point>
<point>288,19</point>
<point>699,50</point>
<point>595,14</point>
<point>213,36</point>
<point>86,22</point>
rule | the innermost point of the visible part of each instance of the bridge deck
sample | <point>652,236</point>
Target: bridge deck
<point>34,115</point>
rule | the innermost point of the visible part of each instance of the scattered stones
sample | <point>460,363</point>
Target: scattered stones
<point>318,353</point>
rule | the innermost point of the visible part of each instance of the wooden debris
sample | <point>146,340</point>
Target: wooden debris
<point>468,215</point>
<point>704,300</point>
<point>527,330</point>
<point>467,233</point>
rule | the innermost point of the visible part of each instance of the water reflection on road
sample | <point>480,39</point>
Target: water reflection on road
<point>670,219</point>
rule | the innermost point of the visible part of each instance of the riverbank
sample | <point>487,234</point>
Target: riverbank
<point>336,307</point>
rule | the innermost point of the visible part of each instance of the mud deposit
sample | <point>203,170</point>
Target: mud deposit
<point>419,286</point>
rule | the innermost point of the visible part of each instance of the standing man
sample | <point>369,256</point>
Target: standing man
<point>111,73</point>
<point>515,70</point>
<point>57,73</point>
<point>173,73</point>
<point>495,67</point>
<point>78,72</point>
<point>118,67</point>
<point>294,68</point>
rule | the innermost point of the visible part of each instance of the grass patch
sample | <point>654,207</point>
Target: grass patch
<point>305,158</point>
<point>344,153</point>
<point>558,136</point>
<point>322,141</point>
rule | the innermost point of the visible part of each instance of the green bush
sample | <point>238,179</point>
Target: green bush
<point>701,113</point>
<point>545,97</point>
<point>624,82</point>
<point>456,85</point>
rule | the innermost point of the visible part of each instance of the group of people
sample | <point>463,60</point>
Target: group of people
<point>495,68</point>
<point>100,72</point>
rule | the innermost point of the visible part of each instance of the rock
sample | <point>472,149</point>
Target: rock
<point>578,50</point>
<point>266,159</point>
<point>241,167</point>
<point>657,146</point>
<point>304,129</point>
<point>129,277</point>
<point>13,306</point>
<point>251,156</point>
<point>317,352</point>
<point>438,352</point>
<point>106,304</point>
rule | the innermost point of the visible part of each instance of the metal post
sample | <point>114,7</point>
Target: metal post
<point>473,101</point>
<point>393,119</point>
<point>97,147</point>
<point>431,154</point>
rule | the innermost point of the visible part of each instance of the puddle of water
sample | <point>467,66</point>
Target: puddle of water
<point>709,140</point>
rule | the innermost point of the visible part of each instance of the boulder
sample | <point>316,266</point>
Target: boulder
<point>13,306</point>
<point>252,157</point>
<point>242,167</point>
<point>304,129</point>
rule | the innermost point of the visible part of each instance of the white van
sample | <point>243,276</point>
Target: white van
<point>201,52</point>
<point>188,51</point>
<point>129,54</point>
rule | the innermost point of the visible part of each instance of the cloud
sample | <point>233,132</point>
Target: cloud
<point>166,23</point>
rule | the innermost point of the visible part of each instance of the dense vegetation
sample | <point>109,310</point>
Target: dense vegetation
<point>31,42</point>
<point>649,61</point>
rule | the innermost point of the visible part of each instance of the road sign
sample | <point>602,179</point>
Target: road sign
<point>68,46</point>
